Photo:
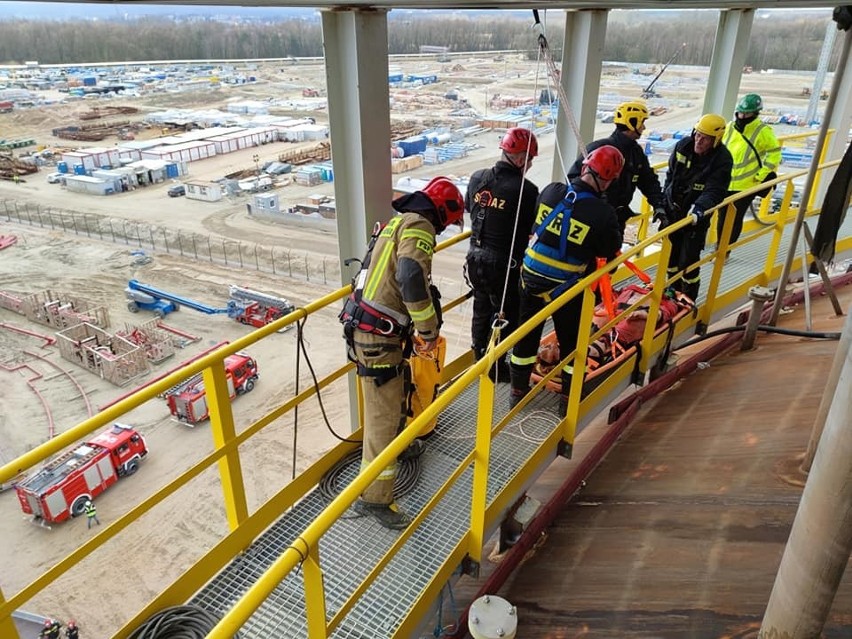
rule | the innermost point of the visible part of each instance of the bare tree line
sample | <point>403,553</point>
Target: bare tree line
<point>788,43</point>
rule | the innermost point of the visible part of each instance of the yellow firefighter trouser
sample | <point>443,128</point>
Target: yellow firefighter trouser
<point>385,406</point>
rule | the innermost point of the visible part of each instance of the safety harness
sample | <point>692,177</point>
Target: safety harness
<point>372,317</point>
<point>554,263</point>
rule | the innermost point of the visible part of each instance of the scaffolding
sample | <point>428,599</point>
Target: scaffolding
<point>157,344</point>
<point>110,357</point>
<point>62,311</point>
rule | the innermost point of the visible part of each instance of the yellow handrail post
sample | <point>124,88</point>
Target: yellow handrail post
<point>569,427</point>
<point>777,235</point>
<point>658,289</point>
<point>223,430</point>
<point>7,624</point>
<point>481,459</point>
<point>315,595</point>
<point>718,264</point>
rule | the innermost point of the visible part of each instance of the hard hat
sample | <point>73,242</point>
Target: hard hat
<point>72,624</point>
<point>447,199</point>
<point>519,140</point>
<point>631,115</point>
<point>750,103</point>
<point>48,623</point>
<point>88,502</point>
<point>713,125</point>
<point>605,161</point>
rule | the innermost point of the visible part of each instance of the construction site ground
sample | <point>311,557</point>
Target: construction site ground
<point>104,591</point>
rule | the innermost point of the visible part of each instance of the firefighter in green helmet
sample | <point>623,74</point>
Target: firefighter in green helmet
<point>756,153</point>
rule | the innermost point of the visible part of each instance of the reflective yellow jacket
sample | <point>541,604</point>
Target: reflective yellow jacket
<point>751,169</point>
<point>397,280</point>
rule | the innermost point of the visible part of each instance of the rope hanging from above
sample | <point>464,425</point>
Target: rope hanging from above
<point>544,50</point>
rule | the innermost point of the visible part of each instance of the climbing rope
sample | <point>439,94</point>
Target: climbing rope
<point>343,471</point>
<point>177,622</point>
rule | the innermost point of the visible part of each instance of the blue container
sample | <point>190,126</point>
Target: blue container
<point>172,170</point>
<point>62,167</point>
<point>79,169</point>
<point>90,81</point>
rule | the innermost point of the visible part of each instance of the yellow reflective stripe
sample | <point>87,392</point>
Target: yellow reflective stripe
<point>568,368</point>
<point>523,361</point>
<point>390,227</point>
<point>565,266</point>
<point>378,271</point>
<point>422,316</point>
<point>418,233</point>
<point>388,473</point>
<point>691,280</point>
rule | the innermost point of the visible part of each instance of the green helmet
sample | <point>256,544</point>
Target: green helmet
<point>750,103</point>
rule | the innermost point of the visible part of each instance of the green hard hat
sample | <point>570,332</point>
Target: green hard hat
<point>750,103</point>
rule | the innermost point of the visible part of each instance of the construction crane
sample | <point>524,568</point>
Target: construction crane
<point>649,92</point>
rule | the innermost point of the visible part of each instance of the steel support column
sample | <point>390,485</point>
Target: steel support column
<point>726,65</point>
<point>356,72</point>
<point>356,68</point>
<point>821,538</point>
<point>582,57</point>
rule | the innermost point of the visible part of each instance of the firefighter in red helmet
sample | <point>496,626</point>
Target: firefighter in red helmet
<point>50,630</point>
<point>501,203</point>
<point>574,226</point>
<point>71,630</point>
<point>392,301</point>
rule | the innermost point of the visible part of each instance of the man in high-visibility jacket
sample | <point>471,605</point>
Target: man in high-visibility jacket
<point>575,225</point>
<point>756,153</point>
<point>391,300</point>
<point>91,514</point>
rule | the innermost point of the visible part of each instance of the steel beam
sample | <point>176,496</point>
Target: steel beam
<point>726,65</point>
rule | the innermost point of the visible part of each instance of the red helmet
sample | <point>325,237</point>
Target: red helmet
<point>48,623</point>
<point>519,140</point>
<point>605,161</point>
<point>72,624</point>
<point>447,199</point>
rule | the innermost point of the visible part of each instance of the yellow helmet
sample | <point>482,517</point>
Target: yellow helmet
<point>631,115</point>
<point>713,125</point>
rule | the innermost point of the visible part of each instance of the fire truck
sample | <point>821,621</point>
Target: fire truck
<point>188,401</point>
<point>257,309</point>
<point>61,489</point>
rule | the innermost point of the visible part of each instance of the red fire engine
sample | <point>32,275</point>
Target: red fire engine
<point>188,401</point>
<point>61,489</point>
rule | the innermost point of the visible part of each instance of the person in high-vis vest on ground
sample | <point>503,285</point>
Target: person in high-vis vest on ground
<point>756,154</point>
<point>574,226</point>
<point>699,169</point>
<point>91,514</point>
<point>391,306</point>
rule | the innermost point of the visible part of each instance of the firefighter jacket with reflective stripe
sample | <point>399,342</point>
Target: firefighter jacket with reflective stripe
<point>750,168</point>
<point>593,232</point>
<point>397,280</point>
<point>696,180</point>
<point>492,199</point>
<point>637,172</point>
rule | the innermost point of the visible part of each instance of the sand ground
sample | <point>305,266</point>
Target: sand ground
<point>105,589</point>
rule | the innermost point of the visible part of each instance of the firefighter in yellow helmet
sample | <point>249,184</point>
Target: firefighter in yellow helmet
<point>756,153</point>
<point>697,180</point>
<point>392,299</point>
<point>629,120</point>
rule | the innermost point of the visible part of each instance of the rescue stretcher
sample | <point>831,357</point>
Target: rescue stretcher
<point>620,344</point>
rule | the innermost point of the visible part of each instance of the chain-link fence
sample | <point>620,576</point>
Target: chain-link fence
<point>197,246</point>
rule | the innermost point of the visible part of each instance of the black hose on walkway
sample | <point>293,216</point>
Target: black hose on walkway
<point>761,327</point>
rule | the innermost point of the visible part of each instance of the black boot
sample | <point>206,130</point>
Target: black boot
<point>520,378</point>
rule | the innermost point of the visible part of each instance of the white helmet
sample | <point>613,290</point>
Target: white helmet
<point>88,503</point>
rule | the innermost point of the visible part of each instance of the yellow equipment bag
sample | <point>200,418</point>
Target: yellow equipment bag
<point>425,379</point>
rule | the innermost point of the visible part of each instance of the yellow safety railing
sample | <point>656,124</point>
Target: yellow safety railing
<point>245,527</point>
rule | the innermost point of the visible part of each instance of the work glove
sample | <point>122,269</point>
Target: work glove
<point>697,215</point>
<point>661,218</point>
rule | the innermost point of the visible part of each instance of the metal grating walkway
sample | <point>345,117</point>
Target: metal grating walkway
<point>355,544</point>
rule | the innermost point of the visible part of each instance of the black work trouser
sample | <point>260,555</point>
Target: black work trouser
<point>687,244</point>
<point>486,272</point>
<point>566,323</point>
<point>741,207</point>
